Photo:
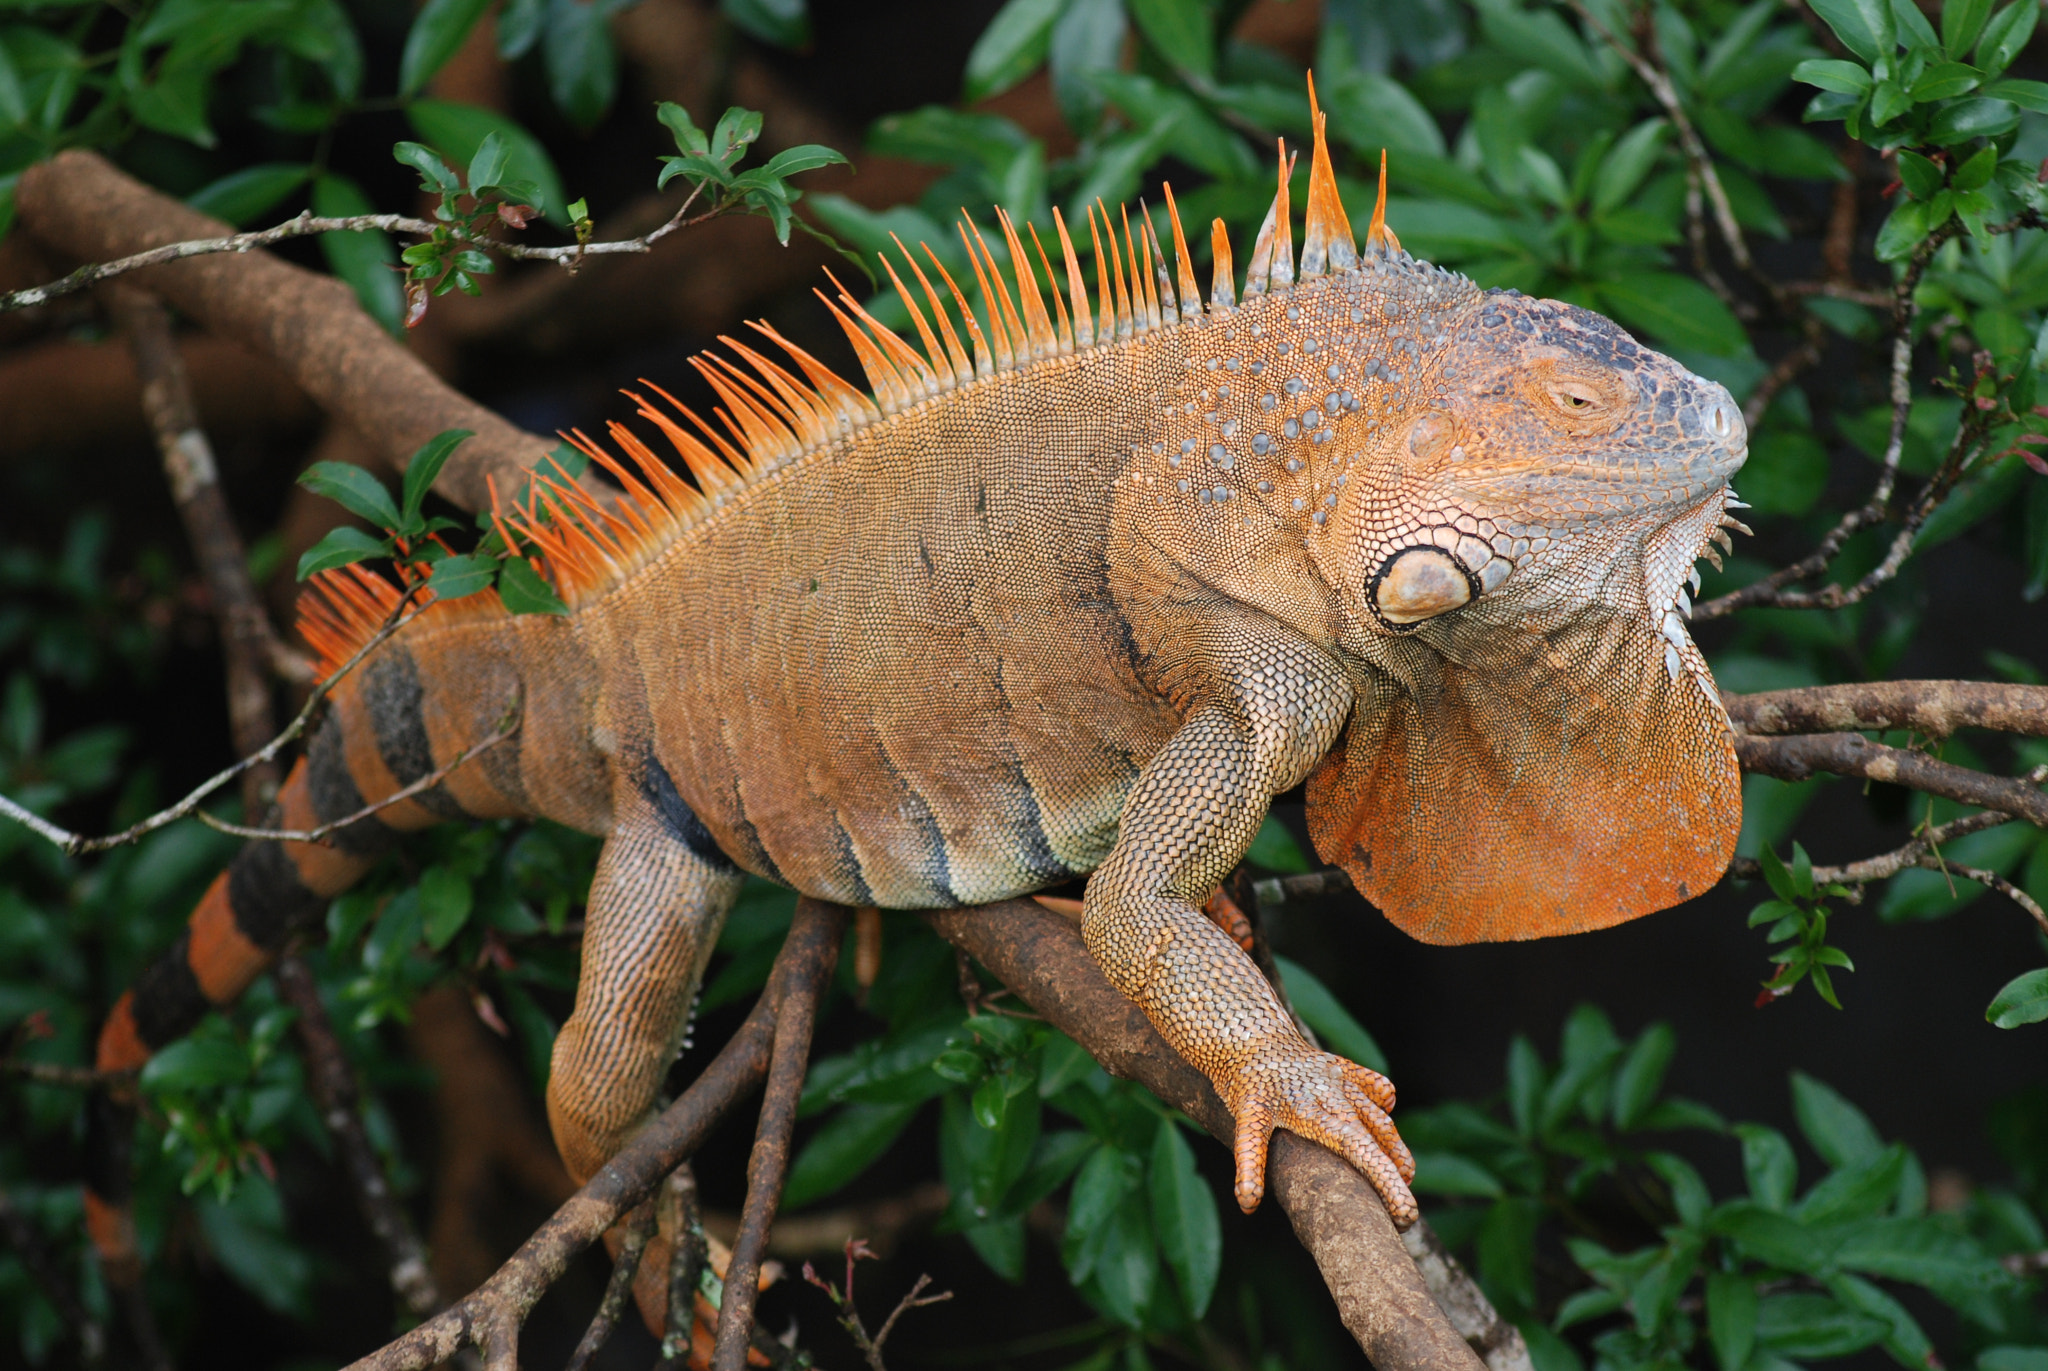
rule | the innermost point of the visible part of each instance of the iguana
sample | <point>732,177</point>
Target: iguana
<point>1079,594</point>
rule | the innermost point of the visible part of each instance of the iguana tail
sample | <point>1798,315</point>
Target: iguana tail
<point>448,680</point>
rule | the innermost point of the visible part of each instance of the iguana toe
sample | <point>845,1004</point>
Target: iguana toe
<point>1328,1100</point>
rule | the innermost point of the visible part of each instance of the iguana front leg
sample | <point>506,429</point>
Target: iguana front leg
<point>1276,707</point>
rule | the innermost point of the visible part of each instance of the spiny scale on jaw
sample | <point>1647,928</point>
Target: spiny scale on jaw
<point>768,417</point>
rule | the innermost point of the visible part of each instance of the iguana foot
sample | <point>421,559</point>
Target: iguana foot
<point>1326,1099</point>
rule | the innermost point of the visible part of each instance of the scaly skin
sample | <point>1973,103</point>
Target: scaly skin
<point>1088,610</point>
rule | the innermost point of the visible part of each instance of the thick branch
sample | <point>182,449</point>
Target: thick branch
<point>490,1316</point>
<point>1336,1213</point>
<point>80,205</point>
<point>1935,708</point>
<point>1851,754</point>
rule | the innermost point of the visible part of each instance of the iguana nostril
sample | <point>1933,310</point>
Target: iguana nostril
<point>1419,583</point>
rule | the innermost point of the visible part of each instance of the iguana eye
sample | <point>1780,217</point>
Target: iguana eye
<point>1574,399</point>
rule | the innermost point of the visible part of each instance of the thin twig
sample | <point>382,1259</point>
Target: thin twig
<point>767,1168</point>
<point>247,641</point>
<point>637,1227</point>
<point>1770,590</point>
<point>28,1245</point>
<point>309,223</point>
<point>333,1087</point>
<point>849,1314</point>
<point>323,832</point>
<point>55,1073</point>
<point>75,844</point>
<point>687,1258</point>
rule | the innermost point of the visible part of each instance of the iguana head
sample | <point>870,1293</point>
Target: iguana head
<point>1503,498</point>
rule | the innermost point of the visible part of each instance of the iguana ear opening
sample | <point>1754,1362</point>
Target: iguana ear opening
<point>1530,780</point>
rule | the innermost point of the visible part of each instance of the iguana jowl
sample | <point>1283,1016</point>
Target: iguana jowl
<point>1080,594</point>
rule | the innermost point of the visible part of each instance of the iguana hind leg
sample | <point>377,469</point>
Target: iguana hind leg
<point>656,906</point>
<point>657,903</point>
<point>1275,708</point>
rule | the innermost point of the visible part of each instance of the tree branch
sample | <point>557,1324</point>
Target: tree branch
<point>1380,1295</point>
<point>1935,708</point>
<point>333,1087</point>
<point>1851,754</point>
<point>490,1317</point>
<point>769,1164</point>
<point>79,205</point>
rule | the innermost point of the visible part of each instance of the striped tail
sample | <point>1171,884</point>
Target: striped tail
<point>450,679</point>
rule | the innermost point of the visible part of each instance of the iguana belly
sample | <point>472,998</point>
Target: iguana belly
<point>895,674</point>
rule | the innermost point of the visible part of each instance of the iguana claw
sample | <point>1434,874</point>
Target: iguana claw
<point>1326,1099</point>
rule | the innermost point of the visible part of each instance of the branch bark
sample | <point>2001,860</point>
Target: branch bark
<point>490,1317</point>
<point>769,1163</point>
<point>1935,708</point>
<point>79,205</point>
<point>1380,1294</point>
<point>1851,754</point>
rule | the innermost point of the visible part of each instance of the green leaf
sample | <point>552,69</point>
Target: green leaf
<point>524,592</point>
<point>847,1145</point>
<point>1915,33</point>
<point>437,34</point>
<point>1106,1177</point>
<point>434,171</point>
<point>1902,232</point>
<point>1944,80</point>
<point>1183,31</point>
<point>1961,22</point>
<point>1627,163</point>
<point>1525,1084</point>
<point>197,1064</point>
<point>2023,999</point>
<point>1274,848</point>
<point>1641,1074</point>
<point>582,65</point>
<point>1322,1011</point>
<point>690,140</point>
<point>341,547</point>
<point>425,467</point>
<point>1829,73</point>
<point>2006,34</point>
<point>457,131</point>
<point>1769,1165</point>
<point>785,23</point>
<point>364,260</point>
<point>1587,1304</point>
<point>1731,1318</point>
<point>1864,26</point>
<point>1801,1325</point>
<point>737,129</point>
<point>519,27</point>
<point>240,196</point>
<point>354,489</point>
<point>1012,47</point>
<point>1919,175</point>
<point>1448,1173</point>
<point>1836,1129</point>
<point>1088,37</point>
<point>466,574</point>
<point>804,157</point>
<point>1977,117</point>
<point>2009,1358</point>
<point>487,167</point>
<point>2028,95</point>
<point>1184,1216</point>
<point>1675,309</point>
<point>1855,1192</point>
<point>445,902</point>
<point>1770,1237</point>
<point>1777,877</point>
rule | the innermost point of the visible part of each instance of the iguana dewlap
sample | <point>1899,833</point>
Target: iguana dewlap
<point>1077,593</point>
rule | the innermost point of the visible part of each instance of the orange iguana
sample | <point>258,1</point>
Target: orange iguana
<point>1080,594</point>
